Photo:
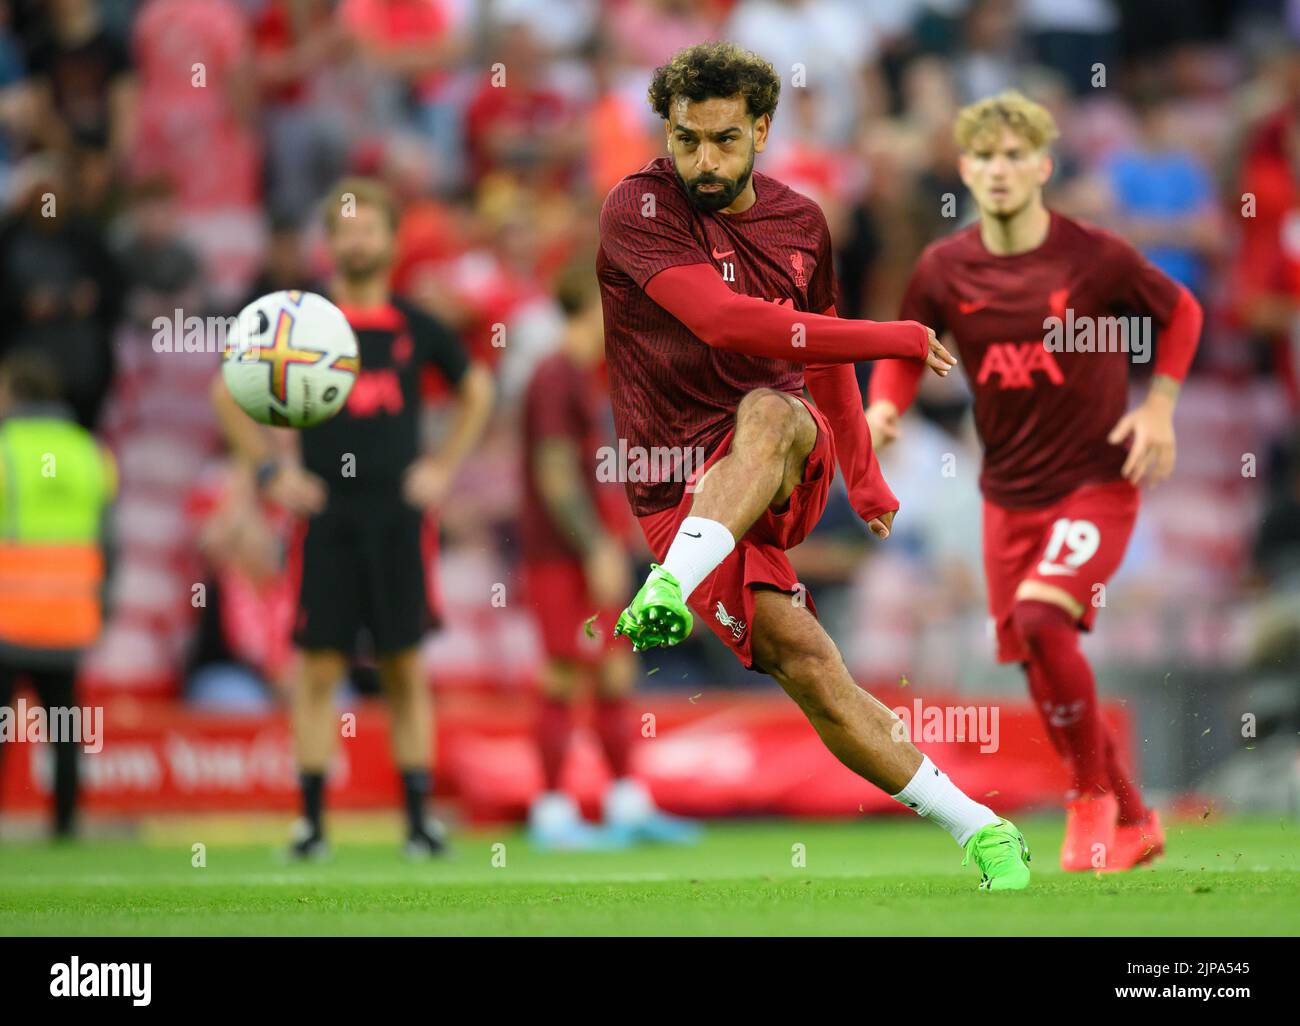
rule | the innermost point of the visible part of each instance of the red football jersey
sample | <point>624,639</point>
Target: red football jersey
<point>668,388</point>
<point>1042,416</point>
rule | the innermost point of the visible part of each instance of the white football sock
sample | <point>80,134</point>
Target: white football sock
<point>553,810</point>
<point>627,802</point>
<point>932,794</point>
<point>696,551</point>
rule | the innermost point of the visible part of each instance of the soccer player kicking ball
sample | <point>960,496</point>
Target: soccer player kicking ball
<point>719,303</point>
<point>1026,294</point>
<point>363,482</point>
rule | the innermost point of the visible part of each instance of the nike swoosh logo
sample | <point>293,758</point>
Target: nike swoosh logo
<point>971,307</point>
<point>689,535</point>
<point>1052,570</point>
<point>719,256</point>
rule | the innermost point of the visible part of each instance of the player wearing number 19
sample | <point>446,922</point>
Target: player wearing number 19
<point>1028,295</point>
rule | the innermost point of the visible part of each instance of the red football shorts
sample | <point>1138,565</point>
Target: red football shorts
<point>556,592</point>
<point>1075,544</point>
<point>725,599</point>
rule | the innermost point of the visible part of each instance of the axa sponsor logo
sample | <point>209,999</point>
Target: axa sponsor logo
<point>376,392</point>
<point>1013,364</point>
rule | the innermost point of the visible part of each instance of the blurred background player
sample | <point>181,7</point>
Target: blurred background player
<point>365,483</point>
<point>574,535</point>
<point>56,483</point>
<point>1060,492</point>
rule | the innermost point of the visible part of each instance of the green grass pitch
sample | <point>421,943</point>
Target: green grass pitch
<point>896,876</point>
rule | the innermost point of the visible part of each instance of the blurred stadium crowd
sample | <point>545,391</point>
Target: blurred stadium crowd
<point>187,142</point>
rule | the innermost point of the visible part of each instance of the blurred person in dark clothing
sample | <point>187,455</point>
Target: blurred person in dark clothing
<point>55,485</point>
<point>59,285</point>
<point>285,265</point>
<point>1277,543</point>
<point>1275,619</point>
<point>367,485</point>
<point>82,76</point>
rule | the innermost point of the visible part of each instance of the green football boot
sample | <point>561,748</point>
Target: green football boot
<point>1002,855</point>
<point>657,615</point>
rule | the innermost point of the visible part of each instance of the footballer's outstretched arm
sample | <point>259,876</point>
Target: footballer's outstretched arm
<point>698,297</point>
<point>834,388</point>
<point>894,383</point>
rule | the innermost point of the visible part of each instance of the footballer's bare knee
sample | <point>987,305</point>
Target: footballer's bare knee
<point>1031,590</point>
<point>321,672</point>
<point>776,428</point>
<point>400,674</point>
<point>774,423</point>
<point>616,675</point>
<point>559,680</point>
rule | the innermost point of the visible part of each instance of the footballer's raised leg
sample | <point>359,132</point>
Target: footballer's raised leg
<point>774,435</point>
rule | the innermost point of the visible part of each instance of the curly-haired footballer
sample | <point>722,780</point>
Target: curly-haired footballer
<point>719,302</point>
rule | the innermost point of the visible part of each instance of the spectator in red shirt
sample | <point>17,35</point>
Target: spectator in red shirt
<point>418,43</point>
<point>1267,273</point>
<point>518,123</point>
<point>306,144</point>
<point>196,102</point>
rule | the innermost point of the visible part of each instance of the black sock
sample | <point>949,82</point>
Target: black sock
<point>313,788</point>
<point>66,754</point>
<point>416,785</point>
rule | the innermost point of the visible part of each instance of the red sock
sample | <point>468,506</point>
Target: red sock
<point>553,729</point>
<point>1042,698</point>
<point>1050,634</point>
<point>615,730</point>
<point>1131,807</point>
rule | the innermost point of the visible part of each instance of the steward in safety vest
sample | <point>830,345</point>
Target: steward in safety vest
<point>56,482</point>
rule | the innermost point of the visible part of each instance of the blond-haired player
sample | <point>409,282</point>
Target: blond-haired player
<point>1047,313</point>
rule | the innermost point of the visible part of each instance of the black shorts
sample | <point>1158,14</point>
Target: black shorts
<point>366,564</point>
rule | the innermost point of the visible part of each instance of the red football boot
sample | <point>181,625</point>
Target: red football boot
<point>1089,822</point>
<point>1138,843</point>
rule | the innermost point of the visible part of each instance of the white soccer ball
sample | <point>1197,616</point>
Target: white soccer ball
<point>291,360</point>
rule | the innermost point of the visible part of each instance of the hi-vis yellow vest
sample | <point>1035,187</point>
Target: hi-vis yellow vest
<point>54,483</point>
